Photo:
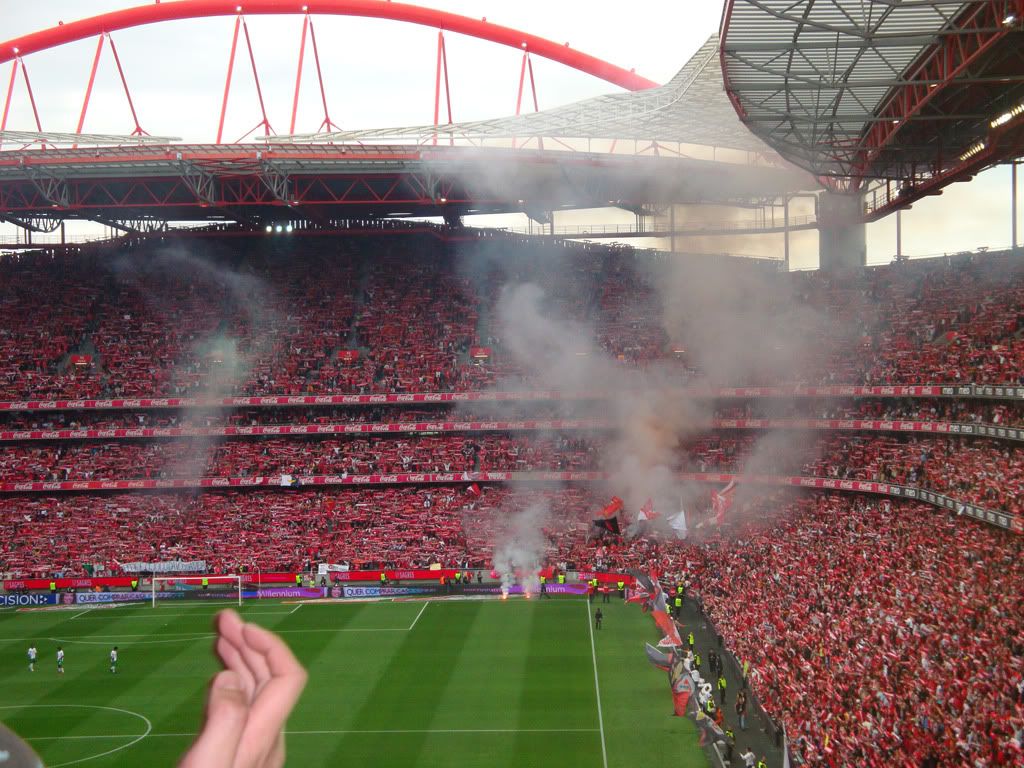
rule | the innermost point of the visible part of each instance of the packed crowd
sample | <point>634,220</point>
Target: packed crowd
<point>988,473</point>
<point>128,460</point>
<point>401,315</point>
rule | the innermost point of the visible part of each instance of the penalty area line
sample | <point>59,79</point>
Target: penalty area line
<point>418,615</point>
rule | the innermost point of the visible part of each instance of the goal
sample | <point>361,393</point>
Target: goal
<point>225,588</point>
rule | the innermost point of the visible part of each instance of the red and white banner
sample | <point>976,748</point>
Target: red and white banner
<point>271,401</point>
<point>304,430</point>
<point>348,355</point>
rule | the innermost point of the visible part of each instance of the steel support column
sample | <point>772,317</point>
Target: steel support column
<point>899,234</point>
<point>227,81</point>
<point>1013,203</point>
<point>785,229</point>
<point>92,80</point>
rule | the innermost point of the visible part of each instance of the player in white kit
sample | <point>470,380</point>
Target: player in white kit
<point>60,660</point>
<point>32,654</point>
<point>113,660</point>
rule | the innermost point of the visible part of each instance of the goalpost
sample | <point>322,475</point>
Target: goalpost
<point>230,586</point>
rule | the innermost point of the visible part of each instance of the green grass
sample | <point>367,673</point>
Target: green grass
<point>455,684</point>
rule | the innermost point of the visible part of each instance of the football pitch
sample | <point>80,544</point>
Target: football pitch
<point>417,684</point>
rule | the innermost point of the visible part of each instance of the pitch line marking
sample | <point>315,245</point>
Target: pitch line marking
<point>81,614</point>
<point>418,615</point>
<point>191,734</point>
<point>130,616</point>
<point>293,610</point>
<point>597,688</point>
<point>135,737</point>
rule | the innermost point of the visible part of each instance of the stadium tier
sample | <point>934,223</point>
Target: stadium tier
<point>139,324</point>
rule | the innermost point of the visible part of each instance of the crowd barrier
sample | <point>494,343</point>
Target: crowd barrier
<point>526,425</point>
<point>305,430</point>
<point>983,391</point>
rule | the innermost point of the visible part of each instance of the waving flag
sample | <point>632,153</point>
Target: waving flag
<point>609,524</point>
<point>678,524</point>
<point>722,500</point>
<point>611,508</point>
<point>606,519</point>
<point>647,511</point>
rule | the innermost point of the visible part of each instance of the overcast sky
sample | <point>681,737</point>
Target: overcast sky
<point>380,73</point>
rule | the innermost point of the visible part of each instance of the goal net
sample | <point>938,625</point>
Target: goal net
<point>217,588</point>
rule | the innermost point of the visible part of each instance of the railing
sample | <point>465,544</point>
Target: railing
<point>625,230</point>
<point>326,399</point>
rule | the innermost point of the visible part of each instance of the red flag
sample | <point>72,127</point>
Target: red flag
<point>474,490</point>
<point>610,524</point>
<point>611,508</point>
<point>721,501</point>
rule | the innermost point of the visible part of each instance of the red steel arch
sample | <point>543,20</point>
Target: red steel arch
<point>379,9</point>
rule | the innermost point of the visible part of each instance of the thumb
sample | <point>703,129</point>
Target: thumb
<point>227,710</point>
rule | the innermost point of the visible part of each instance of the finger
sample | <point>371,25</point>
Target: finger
<point>232,659</point>
<point>279,657</point>
<point>227,709</point>
<point>230,625</point>
<point>254,657</point>
<point>273,703</point>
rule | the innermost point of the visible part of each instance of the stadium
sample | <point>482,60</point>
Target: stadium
<point>393,385</point>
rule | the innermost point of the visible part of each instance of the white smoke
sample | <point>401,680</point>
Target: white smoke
<point>520,548</point>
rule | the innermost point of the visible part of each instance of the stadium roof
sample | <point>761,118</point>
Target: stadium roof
<point>862,89</point>
<point>692,108</point>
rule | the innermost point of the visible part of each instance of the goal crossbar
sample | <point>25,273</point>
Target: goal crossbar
<point>230,584</point>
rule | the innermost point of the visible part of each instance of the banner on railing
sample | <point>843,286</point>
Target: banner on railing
<point>167,566</point>
<point>407,398</point>
<point>303,430</point>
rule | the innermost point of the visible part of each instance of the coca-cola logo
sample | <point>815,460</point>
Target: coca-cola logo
<point>321,400</point>
<point>377,399</point>
<point>404,398</point>
<point>389,478</point>
<point>416,478</point>
<point>361,479</point>
<point>432,398</point>
<point>219,481</point>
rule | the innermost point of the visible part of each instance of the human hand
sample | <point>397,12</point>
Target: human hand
<point>249,700</point>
